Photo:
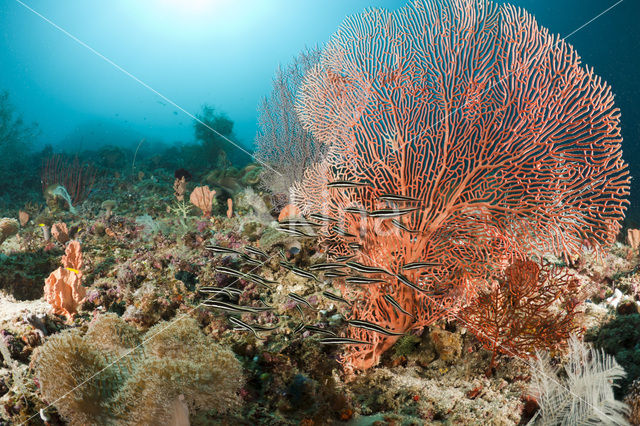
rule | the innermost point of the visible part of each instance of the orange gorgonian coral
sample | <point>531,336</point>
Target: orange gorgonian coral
<point>530,308</point>
<point>502,142</point>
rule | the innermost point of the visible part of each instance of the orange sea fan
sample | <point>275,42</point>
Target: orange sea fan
<point>530,308</point>
<point>506,143</point>
<point>63,288</point>
<point>202,198</point>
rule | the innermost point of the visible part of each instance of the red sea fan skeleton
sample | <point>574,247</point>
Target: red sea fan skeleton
<point>508,143</point>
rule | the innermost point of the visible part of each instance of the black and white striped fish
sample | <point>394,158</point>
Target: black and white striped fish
<point>346,184</point>
<point>244,326</point>
<point>298,328</point>
<point>315,329</point>
<point>388,213</point>
<point>216,304</point>
<point>256,252</point>
<point>299,299</point>
<point>357,211</point>
<point>354,246</point>
<point>322,218</point>
<point>365,269</point>
<point>230,291</point>
<point>343,341</point>
<point>398,198</point>
<point>257,279</point>
<point>343,232</point>
<point>363,280</point>
<point>335,274</point>
<point>418,265</point>
<point>229,271</point>
<point>248,259</point>
<point>335,297</point>
<point>344,258</point>
<point>403,227</point>
<point>304,274</point>
<point>395,303</point>
<point>220,249</point>
<point>373,327</point>
<point>326,266</point>
<point>403,279</point>
<point>295,232</point>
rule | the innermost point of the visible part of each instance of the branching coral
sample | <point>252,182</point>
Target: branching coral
<point>132,378</point>
<point>501,143</point>
<point>530,308</point>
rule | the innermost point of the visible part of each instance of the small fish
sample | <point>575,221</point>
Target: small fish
<point>418,265</point>
<point>295,232</point>
<point>326,266</point>
<point>300,299</point>
<point>335,297</point>
<point>304,274</point>
<point>42,225</point>
<point>363,280</point>
<point>365,269</point>
<point>287,265</point>
<point>315,329</point>
<point>335,274</point>
<point>343,341</point>
<point>344,258</point>
<point>387,213</point>
<point>373,327</point>
<point>403,279</point>
<point>403,227</point>
<point>343,232</point>
<point>357,211</point>
<point>247,259</point>
<point>297,223</point>
<point>245,326</point>
<point>227,290</point>
<point>265,303</point>
<point>256,252</point>
<point>75,271</point>
<point>216,304</point>
<point>398,198</point>
<point>346,184</point>
<point>395,303</point>
<point>298,328</point>
<point>354,246</point>
<point>322,218</point>
<point>264,328</point>
<point>229,271</point>
<point>254,278</point>
<point>220,249</point>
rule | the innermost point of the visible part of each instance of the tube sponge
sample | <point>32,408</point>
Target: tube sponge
<point>143,374</point>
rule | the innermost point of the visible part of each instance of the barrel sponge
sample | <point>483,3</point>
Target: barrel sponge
<point>65,361</point>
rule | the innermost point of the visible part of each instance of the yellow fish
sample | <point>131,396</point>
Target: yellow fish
<point>72,270</point>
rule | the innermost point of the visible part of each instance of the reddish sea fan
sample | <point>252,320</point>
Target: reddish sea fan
<point>530,308</point>
<point>510,145</point>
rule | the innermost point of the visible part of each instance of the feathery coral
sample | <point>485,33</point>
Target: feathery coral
<point>585,396</point>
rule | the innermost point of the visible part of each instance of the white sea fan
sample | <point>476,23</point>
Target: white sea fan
<point>585,395</point>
